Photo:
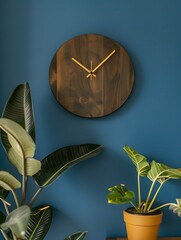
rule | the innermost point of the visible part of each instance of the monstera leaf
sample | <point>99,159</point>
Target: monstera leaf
<point>142,166</point>
<point>76,236</point>
<point>19,109</point>
<point>39,223</point>
<point>162,172</point>
<point>59,161</point>
<point>119,195</point>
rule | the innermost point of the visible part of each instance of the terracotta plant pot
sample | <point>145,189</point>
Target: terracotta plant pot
<point>142,227</point>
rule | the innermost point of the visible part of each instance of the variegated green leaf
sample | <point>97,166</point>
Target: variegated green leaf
<point>142,166</point>
<point>32,165</point>
<point>176,208</point>
<point>6,180</point>
<point>119,195</point>
<point>162,172</point>
<point>19,108</point>
<point>18,221</point>
<point>76,236</point>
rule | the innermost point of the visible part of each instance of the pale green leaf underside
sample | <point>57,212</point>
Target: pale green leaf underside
<point>17,221</point>
<point>6,180</point>
<point>20,136</point>
<point>32,165</point>
<point>176,208</point>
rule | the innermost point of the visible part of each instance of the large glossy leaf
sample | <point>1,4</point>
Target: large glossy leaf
<point>39,223</point>
<point>59,161</point>
<point>17,221</point>
<point>32,165</point>
<point>76,236</point>
<point>162,172</point>
<point>6,180</point>
<point>119,195</point>
<point>19,108</point>
<point>142,166</point>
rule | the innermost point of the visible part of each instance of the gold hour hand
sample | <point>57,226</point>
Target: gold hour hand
<point>82,66</point>
<point>101,63</point>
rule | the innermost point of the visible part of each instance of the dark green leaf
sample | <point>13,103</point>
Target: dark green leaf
<point>19,108</point>
<point>2,217</point>
<point>62,159</point>
<point>10,235</point>
<point>3,193</point>
<point>76,236</point>
<point>39,223</point>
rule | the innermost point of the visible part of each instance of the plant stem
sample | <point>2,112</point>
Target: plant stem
<point>24,185</point>
<point>139,191</point>
<point>14,237</point>
<point>153,200</point>
<point>13,192</point>
<point>6,208</point>
<point>164,205</point>
<point>148,197</point>
<point>35,196</point>
<point>133,205</point>
<point>4,234</point>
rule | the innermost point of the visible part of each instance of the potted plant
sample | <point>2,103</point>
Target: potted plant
<point>21,219</point>
<point>143,218</point>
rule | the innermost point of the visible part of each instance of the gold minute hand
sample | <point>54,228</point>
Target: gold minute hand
<point>101,63</point>
<point>82,66</point>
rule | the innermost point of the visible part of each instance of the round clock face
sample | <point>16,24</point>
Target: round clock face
<point>91,75</point>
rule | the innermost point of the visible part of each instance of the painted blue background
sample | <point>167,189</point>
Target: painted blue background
<point>30,33</point>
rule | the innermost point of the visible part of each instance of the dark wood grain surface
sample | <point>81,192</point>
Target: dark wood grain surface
<point>82,96</point>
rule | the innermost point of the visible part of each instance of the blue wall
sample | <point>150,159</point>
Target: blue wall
<point>30,33</point>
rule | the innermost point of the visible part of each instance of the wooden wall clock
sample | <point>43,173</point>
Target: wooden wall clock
<point>91,75</point>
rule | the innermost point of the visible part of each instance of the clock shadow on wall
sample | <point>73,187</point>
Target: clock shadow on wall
<point>91,75</point>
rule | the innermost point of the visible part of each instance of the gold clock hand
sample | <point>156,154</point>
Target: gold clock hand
<point>101,63</point>
<point>82,66</point>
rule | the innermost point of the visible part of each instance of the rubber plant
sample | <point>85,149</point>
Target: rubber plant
<point>157,173</point>
<point>21,219</point>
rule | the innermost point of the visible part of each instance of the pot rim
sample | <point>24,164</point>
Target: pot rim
<point>129,210</point>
